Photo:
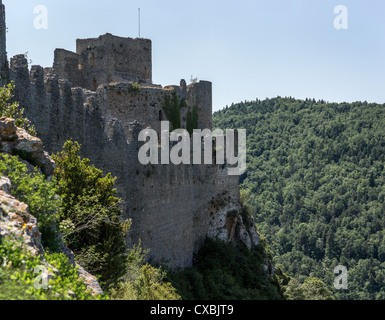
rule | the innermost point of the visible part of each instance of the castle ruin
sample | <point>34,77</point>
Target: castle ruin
<point>102,96</point>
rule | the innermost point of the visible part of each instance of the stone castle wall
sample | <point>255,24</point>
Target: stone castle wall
<point>173,208</point>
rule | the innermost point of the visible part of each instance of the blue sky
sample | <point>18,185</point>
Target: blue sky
<point>248,48</point>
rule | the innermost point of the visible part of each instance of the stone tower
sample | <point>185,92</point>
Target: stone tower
<point>105,60</point>
<point>4,72</point>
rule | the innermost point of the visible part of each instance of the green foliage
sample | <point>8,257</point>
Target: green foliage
<point>90,219</point>
<point>223,271</point>
<point>171,109</point>
<point>143,281</point>
<point>13,110</point>
<point>316,180</point>
<point>135,87</point>
<point>17,277</point>
<point>311,289</point>
<point>366,281</point>
<point>38,193</point>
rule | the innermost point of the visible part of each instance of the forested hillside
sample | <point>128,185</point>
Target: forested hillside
<point>315,183</point>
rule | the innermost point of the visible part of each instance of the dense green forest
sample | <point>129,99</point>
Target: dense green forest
<point>315,183</point>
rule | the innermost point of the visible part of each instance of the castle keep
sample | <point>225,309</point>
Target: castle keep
<point>102,96</point>
<point>104,60</point>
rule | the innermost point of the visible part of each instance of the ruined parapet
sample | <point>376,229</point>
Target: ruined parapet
<point>19,72</point>
<point>68,66</point>
<point>58,111</point>
<point>196,97</point>
<point>4,72</point>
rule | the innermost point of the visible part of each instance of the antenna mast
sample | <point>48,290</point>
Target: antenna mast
<point>139,20</point>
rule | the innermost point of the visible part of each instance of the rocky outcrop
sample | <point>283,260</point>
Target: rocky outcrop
<point>91,281</point>
<point>16,221</point>
<point>234,225</point>
<point>230,221</point>
<point>17,141</point>
<point>5,184</point>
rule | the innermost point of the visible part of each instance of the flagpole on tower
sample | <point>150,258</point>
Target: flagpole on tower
<point>139,20</point>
